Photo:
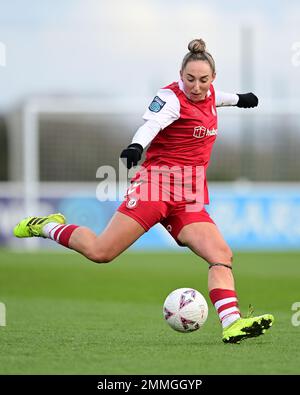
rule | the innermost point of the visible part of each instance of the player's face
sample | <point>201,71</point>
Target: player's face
<point>197,77</point>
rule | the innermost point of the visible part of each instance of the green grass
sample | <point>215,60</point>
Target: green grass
<point>66,315</point>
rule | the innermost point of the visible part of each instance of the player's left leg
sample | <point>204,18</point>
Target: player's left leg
<point>205,240</point>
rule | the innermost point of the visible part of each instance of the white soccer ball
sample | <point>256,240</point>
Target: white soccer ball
<point>185,310</point>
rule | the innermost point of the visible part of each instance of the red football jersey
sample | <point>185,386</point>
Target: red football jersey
<point>188,141</point>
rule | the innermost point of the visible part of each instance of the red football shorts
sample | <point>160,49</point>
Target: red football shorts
<point>173,215</point>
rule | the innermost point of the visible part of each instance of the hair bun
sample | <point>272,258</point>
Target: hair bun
<point>197,46</point>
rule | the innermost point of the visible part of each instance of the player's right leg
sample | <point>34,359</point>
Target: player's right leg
<point>120,233</point>
<point>33,226</point>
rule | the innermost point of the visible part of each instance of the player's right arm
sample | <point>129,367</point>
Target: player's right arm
<point>162,111</point>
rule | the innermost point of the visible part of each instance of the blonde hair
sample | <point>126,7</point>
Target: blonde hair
<point>197,51</point>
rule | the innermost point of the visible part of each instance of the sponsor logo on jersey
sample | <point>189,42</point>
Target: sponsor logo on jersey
<point>201,131</point>
<point>156,104</point>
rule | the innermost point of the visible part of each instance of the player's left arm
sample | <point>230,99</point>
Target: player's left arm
<point>242,100</point>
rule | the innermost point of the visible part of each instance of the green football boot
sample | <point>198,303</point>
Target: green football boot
<point>33,226</point>
<point>243,328</point>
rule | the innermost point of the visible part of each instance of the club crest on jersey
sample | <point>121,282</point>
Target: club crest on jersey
<point>132,202</point>
<point>156,104</point>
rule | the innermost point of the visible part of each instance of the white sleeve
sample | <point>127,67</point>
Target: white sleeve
<point>146,133</point>
<point>226,99</point>
<point>162,111</point>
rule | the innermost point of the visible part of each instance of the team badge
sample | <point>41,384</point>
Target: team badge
<point>131,203</point>
<point>156,104</point>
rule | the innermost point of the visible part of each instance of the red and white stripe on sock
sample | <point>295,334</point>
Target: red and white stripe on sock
<point>59,233</point>
<point>226,304</point>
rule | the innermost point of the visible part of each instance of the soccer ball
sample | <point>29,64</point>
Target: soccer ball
<point>185,310</point>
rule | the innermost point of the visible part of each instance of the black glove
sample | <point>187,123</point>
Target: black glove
<point>133,154</point>
<point>247,100</point>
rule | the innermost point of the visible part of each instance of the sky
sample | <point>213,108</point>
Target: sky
<point>130,49</point>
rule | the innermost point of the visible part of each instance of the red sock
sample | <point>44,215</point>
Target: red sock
<point>62,233</point>
<point>226,304</point>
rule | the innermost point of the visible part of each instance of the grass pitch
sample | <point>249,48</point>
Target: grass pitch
<point>66,315</point>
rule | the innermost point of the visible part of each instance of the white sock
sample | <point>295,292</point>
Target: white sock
<point>227,314</point>
<point>230,319</point>
<point>48,228</point>
<point>226,304</point>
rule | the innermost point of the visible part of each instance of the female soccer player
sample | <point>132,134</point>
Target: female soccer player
<point>181,128</point>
